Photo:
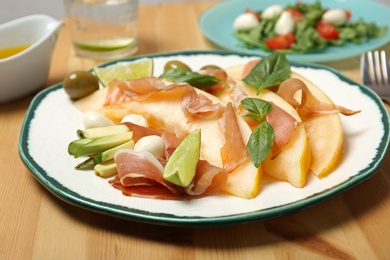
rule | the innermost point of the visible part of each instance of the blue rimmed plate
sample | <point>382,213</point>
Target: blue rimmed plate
<point>51,123</point>
<point>216,23</point>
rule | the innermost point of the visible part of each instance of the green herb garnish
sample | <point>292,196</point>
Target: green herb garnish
<point>262,138</point>
<point>270,71</point>
<point>195,79</point>
<point>308,40</point>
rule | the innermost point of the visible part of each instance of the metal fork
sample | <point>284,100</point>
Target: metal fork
<point>375,72</point>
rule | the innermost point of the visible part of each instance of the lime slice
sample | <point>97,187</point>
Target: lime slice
<point>181,166</point>
<point>125,71</point>
<point>105,45</point>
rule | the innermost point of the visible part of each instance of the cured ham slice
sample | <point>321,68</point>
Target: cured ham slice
<point>140,174</point>
<point>208,179</point>
<point>193,103</point>
<point>284,126</point>
<point>234,151</point>
<point>141,168</point>
<point>309,105</point>
<point>145,191</point>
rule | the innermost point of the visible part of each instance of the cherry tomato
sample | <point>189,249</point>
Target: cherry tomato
<point>250,11</point>
<point>348,14</point>
<point>281,42</point>
<point>327,30</point>
<point>296,14</point>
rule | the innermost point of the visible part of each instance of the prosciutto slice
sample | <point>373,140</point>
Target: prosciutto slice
<point>234,151</point>
<point>141,168</point>
<point>140,174</point>
<point>284,126</point>
<point>208,180</point>
<point>195,104</point>
<point>309,105</point>
<point>122,91</point>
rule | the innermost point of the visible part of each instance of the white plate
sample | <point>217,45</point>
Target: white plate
<point>51,123</point>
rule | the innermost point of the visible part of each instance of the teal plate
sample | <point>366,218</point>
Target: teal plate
<point>216,23</point>
<point>52,120</point>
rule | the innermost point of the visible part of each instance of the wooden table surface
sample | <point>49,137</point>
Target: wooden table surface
<point>34,224</point>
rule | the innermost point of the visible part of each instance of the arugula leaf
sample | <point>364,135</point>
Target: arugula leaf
<point>195,79</point>
<point>270,71</point>
<point>307,38</point>
<point>262,138</point>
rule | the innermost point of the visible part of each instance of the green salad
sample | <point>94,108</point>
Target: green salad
<point>302,28</point>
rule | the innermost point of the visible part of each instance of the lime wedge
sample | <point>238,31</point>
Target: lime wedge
<point>125,71</point>
<point>181,166</point>
<point>105,45</point>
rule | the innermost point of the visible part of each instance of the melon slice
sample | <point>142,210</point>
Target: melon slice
<point>325,134</point>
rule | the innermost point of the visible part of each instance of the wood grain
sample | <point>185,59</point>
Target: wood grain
<point>35,224</point>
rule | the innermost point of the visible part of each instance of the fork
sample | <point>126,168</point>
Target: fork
<point>375,71</point>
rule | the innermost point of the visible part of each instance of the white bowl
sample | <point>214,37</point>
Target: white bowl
<point>26,71</point>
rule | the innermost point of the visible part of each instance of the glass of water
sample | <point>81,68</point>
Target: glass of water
<point>103,29</point>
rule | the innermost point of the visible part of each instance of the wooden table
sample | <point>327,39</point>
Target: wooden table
<point>34,224</point>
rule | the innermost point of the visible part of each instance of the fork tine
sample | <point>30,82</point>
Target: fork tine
<point>377,69</point>
<point>365,69</point>
<point>371,68</point>
<point>385,68</point>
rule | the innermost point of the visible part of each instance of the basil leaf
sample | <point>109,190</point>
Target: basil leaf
<point>270,71</point>
<point>262,138</point>
<point>260,143</point>
<point>195,79</point>
<point>258,107</point>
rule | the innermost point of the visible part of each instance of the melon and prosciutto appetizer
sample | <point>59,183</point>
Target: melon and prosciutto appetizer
<point>174,110</point>
<point>180,109</point>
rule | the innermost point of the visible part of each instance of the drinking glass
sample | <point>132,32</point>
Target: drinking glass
<point>103,29</point>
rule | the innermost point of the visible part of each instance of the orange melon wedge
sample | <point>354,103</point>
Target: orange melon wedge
<point>325,134</point>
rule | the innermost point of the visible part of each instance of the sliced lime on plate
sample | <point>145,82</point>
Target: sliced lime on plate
<point>125,71</point>
<point>181,166</point>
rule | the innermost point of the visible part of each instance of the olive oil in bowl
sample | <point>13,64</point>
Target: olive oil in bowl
<point>10,51</point>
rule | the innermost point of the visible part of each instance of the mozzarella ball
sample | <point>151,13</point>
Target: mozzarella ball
<point>335,17</point>
<point>135,119</point>
<point>245,22</point>
<point>285,24</point>
<point>153,144</point>
<point>93,119</point>
<point>272,11</point>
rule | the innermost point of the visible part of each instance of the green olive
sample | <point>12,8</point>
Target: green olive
<point>79,84</point>
<point>210,67</point>
<point>173,64</point>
